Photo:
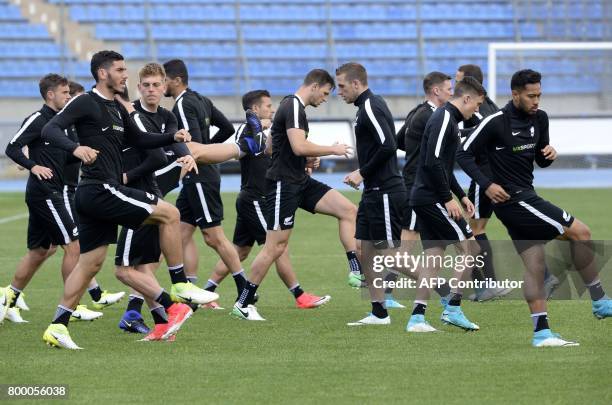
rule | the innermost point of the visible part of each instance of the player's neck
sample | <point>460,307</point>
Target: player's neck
<point>51,106</point>
<point>458,103</point>
<point>104,92</point>
<point>179,90</point>
<point>434,100</point>
<point>302,93</point>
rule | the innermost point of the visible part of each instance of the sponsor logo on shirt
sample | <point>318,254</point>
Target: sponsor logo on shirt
<point>520,148</point>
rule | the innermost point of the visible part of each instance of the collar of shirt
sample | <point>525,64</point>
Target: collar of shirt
<point>367,93</point>
<point>517,112</point>
<point>102,96</point>
<point>432,105</point>
<point>47,111</point>
<point>181,95</point>
<point>300,100</point>
<point>139,103</point>
<point>454,111</point>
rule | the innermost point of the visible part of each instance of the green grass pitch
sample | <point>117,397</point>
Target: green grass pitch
<point>310,356</point>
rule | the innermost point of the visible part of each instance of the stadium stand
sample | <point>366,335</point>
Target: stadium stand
<point>231,45</point>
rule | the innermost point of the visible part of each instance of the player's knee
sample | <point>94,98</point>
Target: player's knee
<point>212,239</point>
<point>166,213</point>
<point>122,274</point>
<point>51,251</point>
<point>72,249</point>
<point>350,211</point>
<point>38,255</point>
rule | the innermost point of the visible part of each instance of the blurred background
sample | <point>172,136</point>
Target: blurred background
<point>232,46</point>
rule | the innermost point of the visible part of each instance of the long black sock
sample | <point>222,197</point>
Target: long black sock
<point>442,290</point>
<point>488,270</point>
<point>379,310</point>
<point>62,315</point>
<point>95,293</point>
<point>164,300</point>
<point>455,299</point>
<point>419,308</point>
<point>296,291</point>
<point>17,293</point>
<point>211,286</point>
<point>135,303</point>
<point>247,294</point>
<point>540,321</point>
<point>354,264</point>
<point>596,290</point>
<point>177,274</point>
<point>159,315</point>
<point>240,280</point>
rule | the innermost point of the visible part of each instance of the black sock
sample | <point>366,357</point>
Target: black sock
<point>354,265</point>
<point>488,270</point>
<point>379,310</point>
<point>17,293</point>
<point>164,300</point>
<point>240,280</point>
<point>419,308</point>
<point>390,277</point>
<point>442,290</point>
<point>247,294</point>
<point>596,290</point>
<point>177,274</point>
<point>135,303</point>
<point>159,315</point>
<point>62,315</point>
<point>211,286</point>
<point>455,299</point>
<point>296,291</point>
<point>194,307</point>
<point>540,321</point>
<point>95,293</point>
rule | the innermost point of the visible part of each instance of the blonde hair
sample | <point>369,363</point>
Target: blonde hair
<point>151,69</point>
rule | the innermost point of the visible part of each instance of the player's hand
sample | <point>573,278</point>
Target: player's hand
<point>182,136</point>
<point>86,154</point>
<point>549,152</point>
<point>313,162</point>
<point>42,172</point>
<point>126,104</point>
<point>453,209</point>
<point>266,123</point>
<point>497,194</point>
<point>188,163</point>
<point>468,207</point>
<point>341,149</point>
<point>308,171</point>
<point>354,179</point>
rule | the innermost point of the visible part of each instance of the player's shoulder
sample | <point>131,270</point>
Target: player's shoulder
<point>541,116</point>
<point>288,103</point>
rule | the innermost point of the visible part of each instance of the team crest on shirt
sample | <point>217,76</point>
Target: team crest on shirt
<point>150,196</point>
<point>532,131</point>
<point>566,216</point>
<point>163,128</point>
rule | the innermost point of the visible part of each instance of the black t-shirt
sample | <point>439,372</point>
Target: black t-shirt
<point>435,179</point>
<point>513,140</point>
<point>139,165</point>
<point>252,170</point>
<point>72,168</point>
<point>40,153</point>
<point>104,125</point>
<point>197,114</point>
<point>413,134</point>
<point>286,165</point>
<point>376,146</point>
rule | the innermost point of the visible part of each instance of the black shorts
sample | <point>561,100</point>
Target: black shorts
<point>200,204</point>
<point>68,195</point>
<point>138,246</point>
<point>102,207</point>
<point>483,206</point>
<point>532,218</point>
<point>379,216</point>
<point>438,229</point>
<point>51,222</point>
<point>168,177</point>
<point>285,198</point>
<point>409,217</point>
<point>251,225</point>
